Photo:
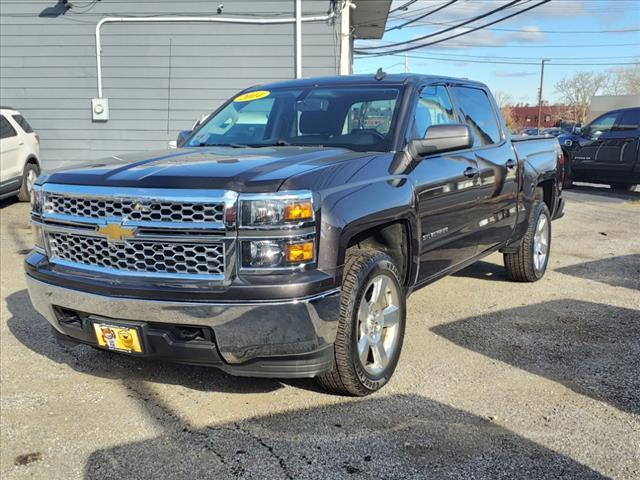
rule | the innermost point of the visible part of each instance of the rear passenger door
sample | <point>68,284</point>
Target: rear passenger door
<point>445,189</point>
<point>10,161</point>
<point>497,183</point>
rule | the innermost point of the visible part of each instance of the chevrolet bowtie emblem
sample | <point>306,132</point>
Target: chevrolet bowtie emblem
<point>116,232</point>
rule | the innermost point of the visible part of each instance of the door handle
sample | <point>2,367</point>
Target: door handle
<point>511,163</point>
<point>471,172</point>
<point>20,144</point>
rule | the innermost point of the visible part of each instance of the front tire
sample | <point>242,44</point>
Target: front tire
<point>29,176</point>
<point>529,262</point>
<point>371,325</point>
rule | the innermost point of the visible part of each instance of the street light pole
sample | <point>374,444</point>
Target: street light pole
<point>540,92</point>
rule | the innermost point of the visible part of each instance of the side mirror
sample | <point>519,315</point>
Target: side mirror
<point>577,130</point>
<point>182,137</point>
<point>440,139</point>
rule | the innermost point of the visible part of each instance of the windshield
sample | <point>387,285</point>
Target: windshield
<point>357,118</point>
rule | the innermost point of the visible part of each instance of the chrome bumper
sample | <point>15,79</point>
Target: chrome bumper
<point>243,331</point>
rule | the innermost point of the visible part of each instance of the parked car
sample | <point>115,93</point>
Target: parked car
<point>529,131</point>
<point>284,237</point>
<point>605,151</point>
<point>552,132</point>
<point>20,153</point>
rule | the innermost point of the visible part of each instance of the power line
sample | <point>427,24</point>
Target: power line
<point>403,7</point>
<point>478,17</point>
<point>415,47</point>
<point>621,30</point>
<point>441,7</point>
<point>529,45</point>
<point>422,57</point>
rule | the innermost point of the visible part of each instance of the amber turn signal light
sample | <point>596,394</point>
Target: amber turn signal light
<point>299,252</point>
<point>298,211</point>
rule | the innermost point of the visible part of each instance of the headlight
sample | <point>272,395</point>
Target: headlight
<point>37,200</point>
<point>277,253</point>
<point>286,209</point>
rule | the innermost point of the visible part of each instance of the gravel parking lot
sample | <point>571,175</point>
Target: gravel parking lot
<point>496,380</point>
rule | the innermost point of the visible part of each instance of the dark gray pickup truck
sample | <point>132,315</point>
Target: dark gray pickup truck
<point>284,236</point>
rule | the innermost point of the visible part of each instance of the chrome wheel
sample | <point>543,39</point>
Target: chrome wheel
<point>31,179</point>
<point>378,324</point>
<point>541,243</point>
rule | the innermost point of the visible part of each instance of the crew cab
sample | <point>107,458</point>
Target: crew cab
<point>606,151</point>
<point>285,234</point>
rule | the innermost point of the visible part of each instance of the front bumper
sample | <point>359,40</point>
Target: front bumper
<point>286,338</point>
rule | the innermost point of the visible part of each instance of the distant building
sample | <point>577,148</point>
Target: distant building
<point>527,117</point>
<point>605,103</point>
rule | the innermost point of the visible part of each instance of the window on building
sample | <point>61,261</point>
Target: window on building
<point>547,118</point>
<point>479,115</point>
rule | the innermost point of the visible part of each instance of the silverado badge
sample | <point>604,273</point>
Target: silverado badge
<point>116,232</point>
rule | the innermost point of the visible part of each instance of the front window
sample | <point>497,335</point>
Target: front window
<point>357,118</point>
<point>601,125</point>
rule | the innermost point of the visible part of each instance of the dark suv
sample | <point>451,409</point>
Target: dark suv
<point>605,151</point>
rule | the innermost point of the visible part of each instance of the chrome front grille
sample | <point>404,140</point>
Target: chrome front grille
<point>159,233</point>
<point>139,256</point>
<point>134,210</point>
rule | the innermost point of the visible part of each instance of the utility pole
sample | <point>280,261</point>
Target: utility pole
<point>540,92</point>
<point>345,38</point>
<point>406,63</point>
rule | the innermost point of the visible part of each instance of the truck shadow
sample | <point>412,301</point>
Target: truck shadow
<point>394,437</point>
<point>590,348</point>
<point>34,332</point>
<point>620,271</point>
<point>484,271</point>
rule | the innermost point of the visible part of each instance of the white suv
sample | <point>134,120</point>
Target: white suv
<point>19,155</point>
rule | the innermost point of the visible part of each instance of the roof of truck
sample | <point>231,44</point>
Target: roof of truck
<point>367,79</point>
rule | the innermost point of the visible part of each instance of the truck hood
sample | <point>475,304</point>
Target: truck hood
<point>239,169</point>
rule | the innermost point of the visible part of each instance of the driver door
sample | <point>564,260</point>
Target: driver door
<point>446,191</point>
<point>597,150</point>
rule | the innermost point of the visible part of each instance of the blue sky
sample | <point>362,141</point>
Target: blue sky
<point>553,30</point>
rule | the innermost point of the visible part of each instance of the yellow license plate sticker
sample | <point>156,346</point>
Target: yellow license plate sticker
<point>123,339</point>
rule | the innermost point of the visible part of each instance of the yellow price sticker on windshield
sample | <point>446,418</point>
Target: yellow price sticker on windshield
<point>247,97</point>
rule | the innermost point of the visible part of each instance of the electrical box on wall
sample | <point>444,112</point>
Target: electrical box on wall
<point>100,109</point>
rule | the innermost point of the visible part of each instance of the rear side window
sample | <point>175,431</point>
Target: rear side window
<point>433,108</point>
<point>24,125</point>
<point>6,130</point>
<point>478,113</point>
<point>628,121</point>
<point>370,115</point>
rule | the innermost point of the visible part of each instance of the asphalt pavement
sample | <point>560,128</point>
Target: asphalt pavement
<point>496,380</point>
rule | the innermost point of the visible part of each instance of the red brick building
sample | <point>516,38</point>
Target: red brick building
<point>527,117</point>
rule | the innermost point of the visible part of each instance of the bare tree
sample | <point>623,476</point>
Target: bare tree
<point>503,99</point>
<point>576,92</point>
<point>624,81</point>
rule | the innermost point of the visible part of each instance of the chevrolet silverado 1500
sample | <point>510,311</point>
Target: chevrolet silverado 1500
<point>284,235</point>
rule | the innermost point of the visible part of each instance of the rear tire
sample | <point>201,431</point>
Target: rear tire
<point>29,176</point>
<point>529,262</point>
<point>371,325</point>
